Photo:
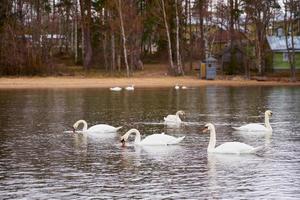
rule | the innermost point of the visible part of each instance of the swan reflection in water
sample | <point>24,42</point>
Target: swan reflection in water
<point>81,141</point>
<point>80,144</point>
<point>227,169</point>
<point>134,155</point>
<point>160,153</point>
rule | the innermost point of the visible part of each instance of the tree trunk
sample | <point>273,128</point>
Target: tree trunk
<point>76,32</point>
<point>85,6</point>
<point>288,25</point>
<point>171,65</point>
<point>105,52</point>
<point>178,56</point>
<point>231,23</point>
<point>201,27</point>
<point>119,62</point>
<point>190,35</point>
<point>113,53</point>
<point>123,38</point>
<point>259,48</point>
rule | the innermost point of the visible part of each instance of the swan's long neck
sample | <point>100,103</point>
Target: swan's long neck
<point>137,135</point>
<point>212,140</point>
<point>267,122</point>
<point>84,124</point>
<point>178,115</point>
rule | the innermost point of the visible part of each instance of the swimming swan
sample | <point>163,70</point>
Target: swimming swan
<point>177,87</point>
<point>174,119</point>
<point>258,127</point>
<point>228,147</point>
<point>129,87</point>
<point>96,128</point>
<point>115,89</point>
<point>183,87</point>
<point>154,139</point>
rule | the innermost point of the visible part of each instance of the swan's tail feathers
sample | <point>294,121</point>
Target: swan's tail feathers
<point>177,140</point>
<point>257,149</point>
<point>118,128</point>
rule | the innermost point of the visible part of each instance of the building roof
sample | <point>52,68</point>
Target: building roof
<point>224,36</point>
<point>278,43</point>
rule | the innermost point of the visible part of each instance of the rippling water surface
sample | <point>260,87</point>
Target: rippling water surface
<point>39,161</point>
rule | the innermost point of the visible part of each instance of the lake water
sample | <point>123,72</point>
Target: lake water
<point>39,161</point>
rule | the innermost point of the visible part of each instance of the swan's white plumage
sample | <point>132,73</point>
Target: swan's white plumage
<point>174,119</point>
<point>154,139</point>
<point>228,147</point>
<point>177,87</point>
<point>116,89</point>
<point>234,147</point>
<point>130,88</point>
<point>255,127</point>
<point>160,139</point>
<point>99,128</point>
<point>252,127</point>
<point>103,128</point>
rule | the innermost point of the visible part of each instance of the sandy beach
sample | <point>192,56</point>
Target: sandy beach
<point>145,82</point>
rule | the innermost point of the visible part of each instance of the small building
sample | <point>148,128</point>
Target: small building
<point>279,52</point>
<point>233,60</point>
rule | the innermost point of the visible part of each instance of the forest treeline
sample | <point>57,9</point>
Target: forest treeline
<point>122,35</point>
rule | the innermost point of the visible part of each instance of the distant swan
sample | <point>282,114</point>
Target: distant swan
<point>228,147</point>
<point>183,87</point>
<point>129,87</point>
<point>258,127</point>
<point>154,139</point>
<point>177,87</point>
<point>115,89</point>
<point>174,119</point>
<point>96,128</point>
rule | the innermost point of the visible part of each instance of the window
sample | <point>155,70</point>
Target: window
<point>285,56</point>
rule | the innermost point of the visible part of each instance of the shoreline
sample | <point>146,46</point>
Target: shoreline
<point>139,82</point>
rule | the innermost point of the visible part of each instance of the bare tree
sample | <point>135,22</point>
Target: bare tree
<point>85,8</point>
<point>171,64</point>
<point>260,13</point>
<point>123,37</point>
<point>76,30</point>
<point>290,16</point>
<point>178,56</point>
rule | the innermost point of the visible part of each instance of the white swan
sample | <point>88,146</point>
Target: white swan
<point>183,87</point>
<point>115,89</point>
<point>174,119</point>
<point>96,128</point>
<point>254,127</point>
<point>129,87</point>
<point>228,147</point>
<point>177,87</point>
<point>154,139</point>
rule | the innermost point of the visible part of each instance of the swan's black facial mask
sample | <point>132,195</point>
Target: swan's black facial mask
<point>123,142</point>
<point>205,129</point>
